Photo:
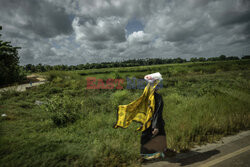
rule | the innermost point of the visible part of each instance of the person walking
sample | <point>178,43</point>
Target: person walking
<point>153,139</point>
<point>147,110</point>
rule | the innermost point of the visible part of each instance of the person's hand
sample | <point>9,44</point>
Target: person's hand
<point>155,131</point>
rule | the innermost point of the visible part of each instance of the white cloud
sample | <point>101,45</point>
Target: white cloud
<point>139,37</point>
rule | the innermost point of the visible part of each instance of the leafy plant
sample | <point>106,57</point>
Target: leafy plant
<point>63,110</point>
<point>10,71</point>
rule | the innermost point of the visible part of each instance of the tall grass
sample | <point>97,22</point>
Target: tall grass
<point>202,103</point>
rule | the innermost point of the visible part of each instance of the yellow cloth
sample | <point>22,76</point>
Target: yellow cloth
<point>140,110</point>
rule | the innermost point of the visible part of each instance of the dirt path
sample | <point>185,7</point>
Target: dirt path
<point>22,87</point>
<point>36,80</point>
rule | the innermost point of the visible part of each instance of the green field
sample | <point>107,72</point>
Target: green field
<point>74,125</point>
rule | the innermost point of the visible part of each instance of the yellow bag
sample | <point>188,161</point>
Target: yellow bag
<point>140,110</point>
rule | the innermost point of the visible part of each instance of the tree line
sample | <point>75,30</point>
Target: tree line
<point>128,63</point>
<point>11,71</point>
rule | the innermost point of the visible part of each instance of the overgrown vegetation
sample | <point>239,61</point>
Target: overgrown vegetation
<point>63,109</point>
<point>10,71</point>
<point>203,102</point>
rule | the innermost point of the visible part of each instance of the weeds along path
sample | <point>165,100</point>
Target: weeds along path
<point>22,87</point>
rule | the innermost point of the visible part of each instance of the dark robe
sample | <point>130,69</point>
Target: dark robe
<point>149,142</point>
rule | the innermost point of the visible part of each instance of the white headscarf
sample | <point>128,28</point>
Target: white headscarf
<point>153,77</point>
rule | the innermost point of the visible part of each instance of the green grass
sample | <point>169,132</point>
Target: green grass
<point>202,103</point>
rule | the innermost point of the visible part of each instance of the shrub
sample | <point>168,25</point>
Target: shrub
<point>51,76</point>
<point>117,75</point>
<point>63,110</point>
<point>6,94</point>
<point>10,70</point>
<point>120,96</point>
<point>54,90</point>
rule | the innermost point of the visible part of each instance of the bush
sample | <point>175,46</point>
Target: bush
<point>10,70</point>
<point>117,75</point>
<point>63,110</point>
<point>54,90</point>
<point>120,97</point>
<point>52,75</point>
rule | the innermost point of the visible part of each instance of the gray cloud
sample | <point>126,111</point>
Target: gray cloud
<point>74,32</point>
<point>100,29</point>
<point>39,17</point>
<point>99,45</point>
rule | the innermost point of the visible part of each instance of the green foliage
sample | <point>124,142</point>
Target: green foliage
<point>8,94</point>
<point>204,101</point>
<point>117,75</point>
<point>120,97</point>
<point>63,110</point>
<point>9,70</point>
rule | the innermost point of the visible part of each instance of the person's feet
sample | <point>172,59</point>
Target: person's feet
<point>154,156</point>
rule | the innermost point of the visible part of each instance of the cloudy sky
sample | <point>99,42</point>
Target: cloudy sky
<point>81,31</point>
